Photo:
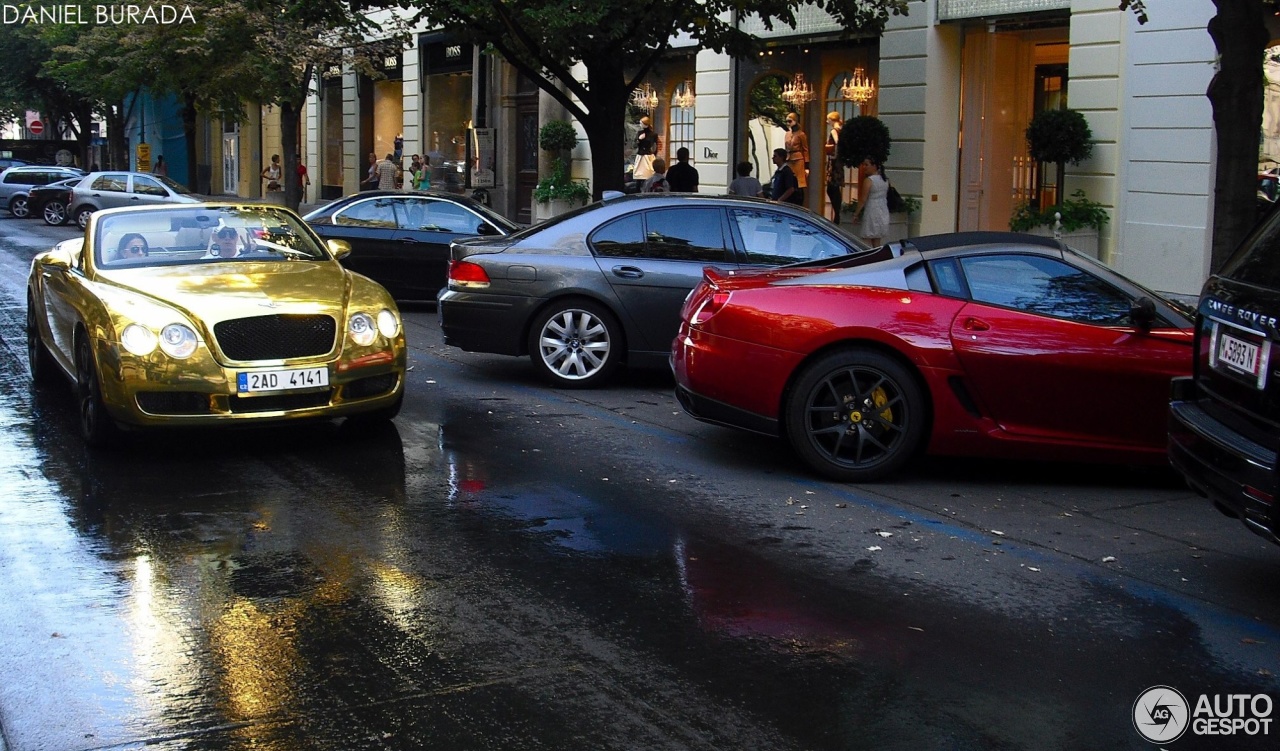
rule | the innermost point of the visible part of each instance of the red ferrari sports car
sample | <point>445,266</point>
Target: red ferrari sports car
<point>983,344</point>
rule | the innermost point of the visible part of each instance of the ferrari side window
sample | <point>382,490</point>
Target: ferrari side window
<point>946,278</point>
<point>1045,286</point>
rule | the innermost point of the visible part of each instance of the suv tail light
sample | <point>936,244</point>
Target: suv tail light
<point>467,274</point>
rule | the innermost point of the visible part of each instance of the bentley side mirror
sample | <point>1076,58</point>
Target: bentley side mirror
<point>1142,312</point>
<point>339,248</point>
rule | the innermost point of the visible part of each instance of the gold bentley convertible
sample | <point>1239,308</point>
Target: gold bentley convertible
<point>206,314</point>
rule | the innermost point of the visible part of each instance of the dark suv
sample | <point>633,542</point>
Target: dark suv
<point>1224,421</point>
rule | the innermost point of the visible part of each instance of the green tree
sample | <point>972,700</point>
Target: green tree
<point>26,83</point>
<point>236,54</point>
<point>617,43</point>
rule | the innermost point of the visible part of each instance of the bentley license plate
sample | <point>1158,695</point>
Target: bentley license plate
<point>1239,354</point>
<point>261,381</point>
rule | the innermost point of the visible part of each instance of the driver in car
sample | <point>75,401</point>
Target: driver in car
<point>225,244</point>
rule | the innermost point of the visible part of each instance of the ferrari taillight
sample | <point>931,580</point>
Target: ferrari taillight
<point>710,305</point>
<point>467,274</point>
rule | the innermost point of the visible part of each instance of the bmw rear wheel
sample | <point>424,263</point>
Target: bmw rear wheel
<point>55,213</point>
<point>82,217</point>
<point>575,344</point>
<point>855,415</point>
<point>97,427</point>
<point>19,207</point>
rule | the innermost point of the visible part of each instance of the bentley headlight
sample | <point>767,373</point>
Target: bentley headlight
<point>388,324</point>
<point>178,341</point>
<point>138,339</point>
<point>362,329</point>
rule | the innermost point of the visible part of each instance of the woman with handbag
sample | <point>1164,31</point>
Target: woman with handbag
<point>873,203</point>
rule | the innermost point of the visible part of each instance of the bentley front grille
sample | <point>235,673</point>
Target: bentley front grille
<point>276,337</point>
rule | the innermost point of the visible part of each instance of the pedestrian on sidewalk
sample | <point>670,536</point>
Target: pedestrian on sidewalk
<point>387,173</point>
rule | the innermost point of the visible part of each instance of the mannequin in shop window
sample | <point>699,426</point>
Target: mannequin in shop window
<point>646,148</point>
<point>797,143</point>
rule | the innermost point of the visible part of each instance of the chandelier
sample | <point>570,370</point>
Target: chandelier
<point>796,92</point>
<point>859,88</point>
<point>645,98</point>
<point>684,97</point>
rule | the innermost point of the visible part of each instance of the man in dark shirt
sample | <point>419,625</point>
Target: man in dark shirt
<point>784,188</point>
<point>682,176</point>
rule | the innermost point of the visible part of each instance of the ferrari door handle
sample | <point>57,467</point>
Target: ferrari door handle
<point>975,324</point>
<point>628,272</point>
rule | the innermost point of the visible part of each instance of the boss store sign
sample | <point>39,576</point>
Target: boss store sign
<point>440,54</point>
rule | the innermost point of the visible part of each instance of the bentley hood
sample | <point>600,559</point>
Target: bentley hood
<point>214,292</point>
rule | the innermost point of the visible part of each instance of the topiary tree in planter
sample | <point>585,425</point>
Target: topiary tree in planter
<point>558,138</point>
<point>861,137</point>
<point>1060,136</point>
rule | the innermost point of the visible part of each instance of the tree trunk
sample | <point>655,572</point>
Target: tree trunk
<point>195,181</point>
<point>117,144</point>
<point>1236,95</point>
<point>607,115</point>
<point>290,119</point>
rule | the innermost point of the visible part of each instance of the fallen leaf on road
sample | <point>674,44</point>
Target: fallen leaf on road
<point>997,532</point>
<point>1109,559</point>
<point>874,548</point>
<point>885,534</point>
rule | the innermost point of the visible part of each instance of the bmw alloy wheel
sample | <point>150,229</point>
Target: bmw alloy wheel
<point>576,345</point>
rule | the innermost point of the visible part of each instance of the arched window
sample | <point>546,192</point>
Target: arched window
<point>679,129</point>
<point>837,103</point>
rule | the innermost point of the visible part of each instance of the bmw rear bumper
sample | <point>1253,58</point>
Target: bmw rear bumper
<point>483,322</point>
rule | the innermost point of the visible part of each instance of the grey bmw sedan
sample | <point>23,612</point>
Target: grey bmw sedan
<point>601,286</point>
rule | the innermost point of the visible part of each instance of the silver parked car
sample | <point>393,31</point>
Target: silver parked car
<point>604,284</point>
<point>113,190</point>
<point>16,184</point>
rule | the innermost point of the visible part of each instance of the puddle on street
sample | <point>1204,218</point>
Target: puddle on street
<point>436,586</point>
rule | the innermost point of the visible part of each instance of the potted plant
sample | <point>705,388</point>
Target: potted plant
<point>1081,220</point>
<point>558,192</point>
<point>1059,136</point>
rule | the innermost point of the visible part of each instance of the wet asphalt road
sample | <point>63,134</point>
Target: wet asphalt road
<point>511,567</point>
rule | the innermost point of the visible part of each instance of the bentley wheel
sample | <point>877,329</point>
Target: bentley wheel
<point>82,217</point>
<point>575,344</point>
<point>38,357</point>
<point>855,415</point>
<point>55,213</point>
<point>19,207</point>
<point>97,428</point>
